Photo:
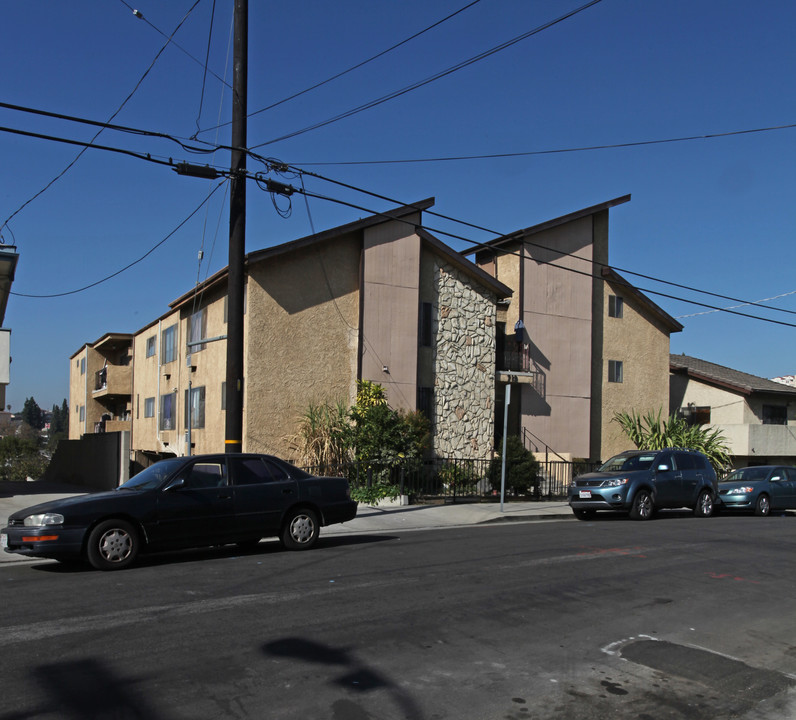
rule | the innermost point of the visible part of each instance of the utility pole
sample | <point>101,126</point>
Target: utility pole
<point>233,441</point>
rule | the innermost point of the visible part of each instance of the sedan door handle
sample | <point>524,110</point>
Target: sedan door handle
<point>287,491</point>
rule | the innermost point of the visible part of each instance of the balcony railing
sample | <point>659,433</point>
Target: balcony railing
<point>517,359</point>
<point>113,380</point>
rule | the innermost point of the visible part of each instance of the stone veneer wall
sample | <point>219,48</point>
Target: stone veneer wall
<point>464,366</point>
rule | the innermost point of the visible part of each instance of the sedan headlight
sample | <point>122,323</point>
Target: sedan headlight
<point>615,482</point>
<point>43,519</point>
<point>740,490</point>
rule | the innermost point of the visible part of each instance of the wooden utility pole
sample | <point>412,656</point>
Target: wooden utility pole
<point>233,441</point>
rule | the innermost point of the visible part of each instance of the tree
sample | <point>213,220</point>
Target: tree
<point>651,432</point>
<point>59,424</point>
<point>32,414</point>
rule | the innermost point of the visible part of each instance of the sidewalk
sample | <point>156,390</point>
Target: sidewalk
<point>385,518</point>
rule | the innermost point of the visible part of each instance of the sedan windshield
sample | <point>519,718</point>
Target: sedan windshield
<point>748,474</point>
<point>153,476</point>
<point>628,463</point>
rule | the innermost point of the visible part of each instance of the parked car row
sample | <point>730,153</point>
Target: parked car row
<point>640,482</point>
<point>184,502</point>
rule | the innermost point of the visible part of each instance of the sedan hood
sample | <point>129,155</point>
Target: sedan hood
<point>66,503</point>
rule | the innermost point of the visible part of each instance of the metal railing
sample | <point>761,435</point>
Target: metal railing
<point>456,479</point>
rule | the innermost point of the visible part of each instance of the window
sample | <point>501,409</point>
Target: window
<point>150,345</point>
<point>696,415</point>
<point>168,411</point>
<point>775,415</point>
<point>426,330</point>
<point>616,306</point>
<point>197,330</point>
<point>615,371</point>
<point>253,471</point>
<point>195,407</point>
<point>425,402</point>
<point>203,475</point>
<point>149,407</point>
<point>168,344</point>
<point>82,366</point>
<point>81,409</point>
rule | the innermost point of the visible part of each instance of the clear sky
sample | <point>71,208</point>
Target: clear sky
<point>714,214</point>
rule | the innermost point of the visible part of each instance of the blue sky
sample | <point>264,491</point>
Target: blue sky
<point>715,214</point>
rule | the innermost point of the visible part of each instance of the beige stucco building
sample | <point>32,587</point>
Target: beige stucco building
<point>378,299</point>
<point>755,415</point>
<point>578,340</point>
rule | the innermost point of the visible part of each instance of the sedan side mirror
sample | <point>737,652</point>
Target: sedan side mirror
<point>776,478</point>
<point>663,467</point>
<point>176,485</point>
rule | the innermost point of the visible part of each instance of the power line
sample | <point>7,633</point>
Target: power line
<point>118,110</point>
<point>527,242</point>
<point>354,67</point>
<point>585,148</point>
<point>432,78</point>
<point>129,265</point>
<point>170,39</point>
<point>477,245</point>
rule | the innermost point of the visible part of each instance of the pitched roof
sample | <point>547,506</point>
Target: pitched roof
<point>518,234</point>
<point>456,258</point>
<point>725,377</point>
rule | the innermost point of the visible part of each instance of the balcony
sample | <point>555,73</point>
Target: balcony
<point>115,425</point>
<point>515,364</point>
<point>113,380</point>
<point>759,440</point>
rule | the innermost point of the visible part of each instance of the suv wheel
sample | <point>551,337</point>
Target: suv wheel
<point>642,507</point>
<point>704,506</point>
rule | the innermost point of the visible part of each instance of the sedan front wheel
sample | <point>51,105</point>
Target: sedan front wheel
<point>112,545</point>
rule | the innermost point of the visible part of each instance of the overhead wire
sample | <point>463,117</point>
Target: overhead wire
<point>529,153</point>
<point>129,265</point>
<point>99,132</point>
<point>170,40</point>
<point>437,76</point>
<point>486,246</point>
<point>498,235</point>
<point>207,60</point>
<point>354,67</point>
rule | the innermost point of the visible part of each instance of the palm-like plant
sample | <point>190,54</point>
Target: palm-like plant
<point>652,432</point>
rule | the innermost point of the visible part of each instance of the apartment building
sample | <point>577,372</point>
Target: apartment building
<point>378,299</point>
<point>579,341</point>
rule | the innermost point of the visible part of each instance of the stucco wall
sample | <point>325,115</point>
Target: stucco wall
<point>391,301</point>
<point>642,346</point>
<point>557,312</point>
<point>302,336</point>
<point>78,387</point>
<point>464,366</point>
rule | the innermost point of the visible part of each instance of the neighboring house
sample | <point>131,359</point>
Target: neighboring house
<point>378,299</point>
<point>579,341</point>
<point>756,416</point>
<point>8,266</point>
<point>100,386</point>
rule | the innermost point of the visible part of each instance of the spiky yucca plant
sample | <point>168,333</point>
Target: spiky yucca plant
<point>652,432</point>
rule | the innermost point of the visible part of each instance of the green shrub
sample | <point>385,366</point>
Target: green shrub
<point>522,469</point>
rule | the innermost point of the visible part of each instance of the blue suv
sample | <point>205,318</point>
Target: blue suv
<point>642,481</point>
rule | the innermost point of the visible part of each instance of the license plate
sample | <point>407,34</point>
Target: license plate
<point>3,541</point>
<point>585,494</point>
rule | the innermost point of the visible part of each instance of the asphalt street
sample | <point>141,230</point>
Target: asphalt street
<point>673,618</point>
